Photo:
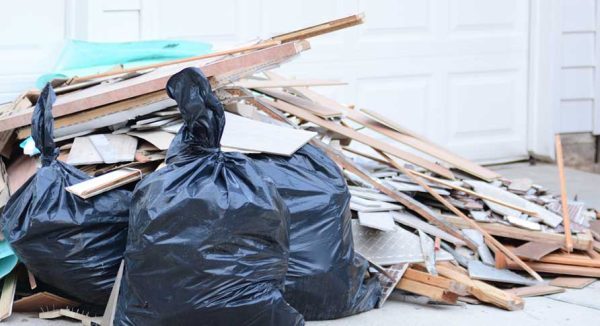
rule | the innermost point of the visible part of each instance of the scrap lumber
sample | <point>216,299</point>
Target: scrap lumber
<point>432,292</point>
<point>482,290</point>
<point>103,94</point>
<point>403,199</point>
<point>84,319</point>
<point>535,290</point>
<point>320,29</point>
<point>572,282</point>
<point>437,281</point>
<point>573,258</point>
<point>496,244</point>
<point>251,83</point>
<point>362,138</point>
<point>425,147</point>
<point>581,241</point>
<point>558,269</point>
<point>308,105</point>
<point>473,193</point>
<point>109,181</point>
<point>563,193</point>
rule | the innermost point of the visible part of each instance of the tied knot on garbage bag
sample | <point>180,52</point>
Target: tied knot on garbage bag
<point>207,230</point>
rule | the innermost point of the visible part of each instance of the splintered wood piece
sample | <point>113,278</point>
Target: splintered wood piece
<point>535,290</point>
<point>40,300</point>
<point>563,193</point>
<point>456,211</point>
<point>473,193</point>
<point>8,295</point>
<point>572,282</point>
<point>481,290</point>
<point>437,281</point>
<point>403,199</point>
<point>432,292</point>
<point>362,138</point>
<point>535,250</point>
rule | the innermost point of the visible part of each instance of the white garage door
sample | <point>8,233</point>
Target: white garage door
<point>453,70</point>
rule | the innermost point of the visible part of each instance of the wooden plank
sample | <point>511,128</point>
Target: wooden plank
<point>109,181</point>
<point>320,29</point>
<point>581,241</point>
<point>563,193</point>
<point>252,83</point>
<point>425,147</point>
<point>437,281</point>
<point>473,193</point>
<point>42,300</point>
<point>481,290</point>
<point>104,94</point>
<point>572,282</point>
<point>432,292</point>
<point>575,259</point>
<point>558,269</point>
<point>8,295</point>
<point>535,290</point>
<point>456,211</point>
<point>107,115</point>
<point>314,108</point>
<point>535,250</point>
<point>111,307</point>
<point>361,138</point>
<point>403,199</point>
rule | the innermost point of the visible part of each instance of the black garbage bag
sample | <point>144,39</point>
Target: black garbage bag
<point>325,278</point>
<point>72,244</point>
<point>208,242</point>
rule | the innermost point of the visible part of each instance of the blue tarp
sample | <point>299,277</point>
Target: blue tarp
<point>80,58</point>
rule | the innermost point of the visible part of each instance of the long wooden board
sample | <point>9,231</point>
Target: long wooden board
<point>154,81</point>
<point>362,138</point>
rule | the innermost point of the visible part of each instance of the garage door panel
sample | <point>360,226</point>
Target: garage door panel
<point>468,15</point>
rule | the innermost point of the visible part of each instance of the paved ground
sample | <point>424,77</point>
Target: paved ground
<point>574,307</point>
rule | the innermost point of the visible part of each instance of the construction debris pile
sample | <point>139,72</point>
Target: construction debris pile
<point>252,198</point>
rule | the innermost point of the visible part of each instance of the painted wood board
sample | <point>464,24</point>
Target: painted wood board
<point>115,148</point>
<point>83,152</point>
<point>377,220</point>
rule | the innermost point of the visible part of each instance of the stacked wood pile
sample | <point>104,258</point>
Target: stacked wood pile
<point>434,224</point>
